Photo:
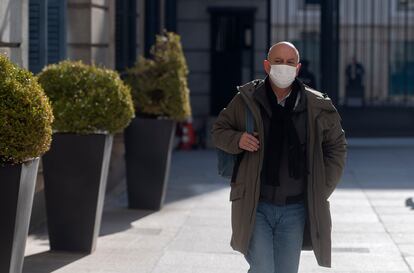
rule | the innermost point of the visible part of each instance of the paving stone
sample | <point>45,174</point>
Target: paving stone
<point>372,223</point>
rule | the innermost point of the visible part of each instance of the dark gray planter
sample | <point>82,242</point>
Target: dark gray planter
<point>16,199</point>
<point>75,172</point>
<point>148,148</point>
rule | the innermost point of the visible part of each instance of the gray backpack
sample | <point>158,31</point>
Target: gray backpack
<point>229,163</point>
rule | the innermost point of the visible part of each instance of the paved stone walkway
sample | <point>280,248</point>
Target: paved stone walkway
<point>373,222</point>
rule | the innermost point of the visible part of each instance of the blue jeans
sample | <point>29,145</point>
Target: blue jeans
<point>277,237</point>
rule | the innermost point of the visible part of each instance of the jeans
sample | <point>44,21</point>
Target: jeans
<point>277,238</point>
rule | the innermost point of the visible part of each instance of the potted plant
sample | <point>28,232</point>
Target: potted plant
<point>161,98</point>
<point>90,104</point>
<point>25,134</point>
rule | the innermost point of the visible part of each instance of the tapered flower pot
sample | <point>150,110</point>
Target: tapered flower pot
<point>75,173</point>
<point>148,148</point>
<point>16,198</point>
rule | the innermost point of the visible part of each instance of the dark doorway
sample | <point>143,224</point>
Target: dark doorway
<point>125,34</point>
<point>232,53</point>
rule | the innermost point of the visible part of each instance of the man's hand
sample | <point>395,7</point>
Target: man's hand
<point>249,142</point>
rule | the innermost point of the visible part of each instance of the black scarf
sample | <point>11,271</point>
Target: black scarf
<point>282,130</point>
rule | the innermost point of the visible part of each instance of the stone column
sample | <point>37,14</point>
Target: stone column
<point>91,31</point>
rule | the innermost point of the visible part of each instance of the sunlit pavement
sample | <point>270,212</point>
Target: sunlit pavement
<point>372,210</point>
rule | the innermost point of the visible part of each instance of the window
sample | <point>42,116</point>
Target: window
<point>37,35</point>
<point>47,38</point>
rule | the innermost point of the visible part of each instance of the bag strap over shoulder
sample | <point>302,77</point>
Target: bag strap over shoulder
<point>250,130</point>
<point>249,120</point>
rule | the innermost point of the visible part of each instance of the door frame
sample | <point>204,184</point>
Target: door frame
<point>247,11</point>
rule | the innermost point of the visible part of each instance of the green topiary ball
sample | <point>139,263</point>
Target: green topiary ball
<point>160,85</point>
<point>87,99</point>
<point>25,115</point>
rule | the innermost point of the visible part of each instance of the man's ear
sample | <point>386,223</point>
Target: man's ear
<point>267,66</point>
<point>298,67</point>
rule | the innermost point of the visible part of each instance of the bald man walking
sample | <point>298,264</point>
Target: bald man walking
<point>288,167</point>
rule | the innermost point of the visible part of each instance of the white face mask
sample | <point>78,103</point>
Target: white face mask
<point>282,75</point>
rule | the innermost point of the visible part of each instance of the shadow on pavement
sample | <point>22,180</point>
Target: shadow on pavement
<point>193,173</point>
<point>118,219</point>
<point>49,261</point>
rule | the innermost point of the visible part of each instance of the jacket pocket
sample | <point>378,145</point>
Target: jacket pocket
<point>237,191</point>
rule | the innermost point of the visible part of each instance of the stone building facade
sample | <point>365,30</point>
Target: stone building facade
<point>216,35</point>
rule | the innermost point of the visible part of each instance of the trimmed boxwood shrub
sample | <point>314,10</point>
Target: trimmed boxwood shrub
<point>87,99</point>
<point>159,84</point>
<point>25,115</point>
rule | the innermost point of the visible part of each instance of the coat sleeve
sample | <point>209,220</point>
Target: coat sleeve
<point>226,131</point>
<point>334,148</point>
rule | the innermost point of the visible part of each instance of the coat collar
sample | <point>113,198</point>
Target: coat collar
<point>260,96</point>
<point>255,91</point>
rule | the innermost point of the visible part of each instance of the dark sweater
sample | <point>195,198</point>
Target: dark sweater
<point>289,188</point>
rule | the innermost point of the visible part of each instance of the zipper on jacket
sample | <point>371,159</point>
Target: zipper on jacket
<point>255,184</point>
<point>313,192</point>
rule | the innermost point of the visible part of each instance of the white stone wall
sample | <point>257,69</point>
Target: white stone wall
<point>91,31</point>
<point>193,24</point>
<point>14,42</point>
<point>14,30</point>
